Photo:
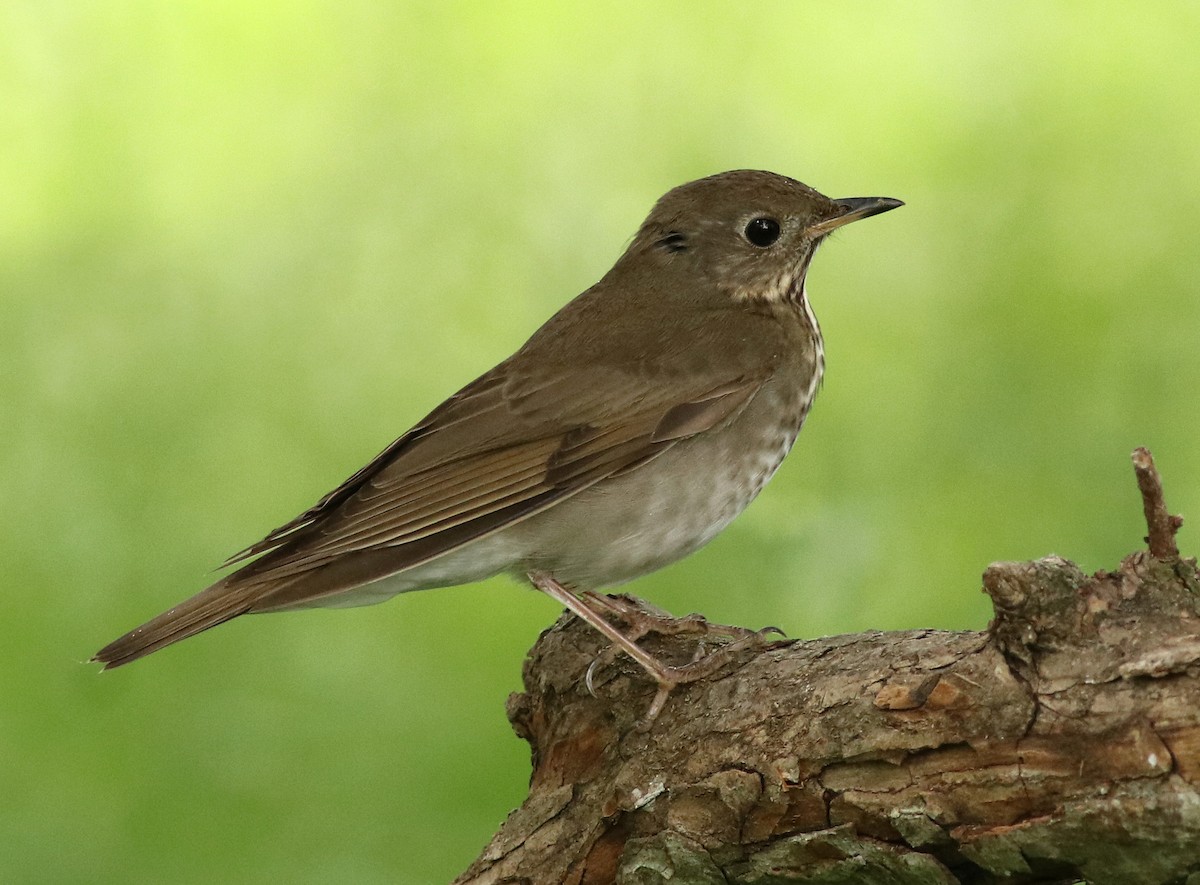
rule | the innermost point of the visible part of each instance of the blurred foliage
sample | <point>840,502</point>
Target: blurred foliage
<point>242,246</point>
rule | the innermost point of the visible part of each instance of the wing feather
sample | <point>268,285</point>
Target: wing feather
<point>441,487</point>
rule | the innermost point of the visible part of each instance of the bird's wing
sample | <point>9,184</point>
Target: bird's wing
<point>494,454</point>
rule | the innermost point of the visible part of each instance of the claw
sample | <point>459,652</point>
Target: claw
<point>591,672</point>
<point>587,676</point>
<point>660,699</point>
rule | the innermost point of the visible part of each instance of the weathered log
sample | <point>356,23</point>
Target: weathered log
<point>1061,744</point>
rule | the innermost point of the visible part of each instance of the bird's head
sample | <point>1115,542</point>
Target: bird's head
<point>752,234</point>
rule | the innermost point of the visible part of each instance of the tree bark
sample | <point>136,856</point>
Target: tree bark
<point>1062,744</point>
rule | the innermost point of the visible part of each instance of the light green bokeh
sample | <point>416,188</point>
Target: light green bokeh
<point>243,246</point>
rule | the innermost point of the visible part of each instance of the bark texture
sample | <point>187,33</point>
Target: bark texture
<point>1060,745</point>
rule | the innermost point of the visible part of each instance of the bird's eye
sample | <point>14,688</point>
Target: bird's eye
<point>762,231</point>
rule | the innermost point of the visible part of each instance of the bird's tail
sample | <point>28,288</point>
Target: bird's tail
<point>208,608</point>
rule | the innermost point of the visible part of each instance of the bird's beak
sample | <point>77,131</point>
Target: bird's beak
<point>852,209</point>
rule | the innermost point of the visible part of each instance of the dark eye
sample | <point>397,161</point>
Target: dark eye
<point>762,231</point>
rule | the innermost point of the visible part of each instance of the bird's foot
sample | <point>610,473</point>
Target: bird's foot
<point>596,609</point>
<point>703,665</point>
<point>643,620</point>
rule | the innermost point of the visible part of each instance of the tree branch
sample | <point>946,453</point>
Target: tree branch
<point>1062,743</point>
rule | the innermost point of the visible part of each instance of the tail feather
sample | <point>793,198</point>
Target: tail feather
<point>244,591</point>
<point>208,608</point>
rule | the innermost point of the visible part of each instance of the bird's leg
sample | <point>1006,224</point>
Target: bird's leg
<point>643,622</point>
<point>643,619</point>
<point>553,589</point>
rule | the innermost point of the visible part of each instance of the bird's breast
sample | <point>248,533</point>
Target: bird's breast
<point>637,522</point>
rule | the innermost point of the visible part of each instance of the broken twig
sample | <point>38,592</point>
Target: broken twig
<point>1160,524</point>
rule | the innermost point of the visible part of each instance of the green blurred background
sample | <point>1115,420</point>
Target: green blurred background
<point>242,246</point>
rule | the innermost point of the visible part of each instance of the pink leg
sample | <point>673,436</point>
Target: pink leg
<point>647,661</point>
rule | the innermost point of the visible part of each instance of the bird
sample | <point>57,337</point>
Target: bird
<point>628,431</point>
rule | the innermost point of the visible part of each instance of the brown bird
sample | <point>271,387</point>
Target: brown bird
<point>625,434</point>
